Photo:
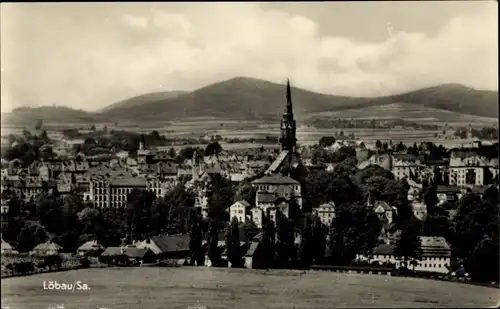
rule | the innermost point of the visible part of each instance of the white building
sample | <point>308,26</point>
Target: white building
<point>326,213</point>
<point>47,248</point>
<point>384,212</point>
<point>419,210</point>
<point>436,255</point>
<point>271,188</point>
<point>467,170</point>
<point>239,211</point>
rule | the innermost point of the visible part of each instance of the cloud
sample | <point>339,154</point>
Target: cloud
<point>138,22</point>
<point>161,50</point>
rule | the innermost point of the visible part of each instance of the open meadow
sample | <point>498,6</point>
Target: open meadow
<point>151,288</point>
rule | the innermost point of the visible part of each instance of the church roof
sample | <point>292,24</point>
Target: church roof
<point>276,179</point>
<point>277,163</point>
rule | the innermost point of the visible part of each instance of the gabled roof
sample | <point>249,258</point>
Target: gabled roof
<point>384,249</point>
<point>434,246</point>
<point>252,248</point>
<point>242,246</point>
<point>48,246</point>
<point>327,205</point>
<point>126,181</point>
<point>90,245</point>
<point>448,189</point>
<point>276,179</point>
<point>277,163</point>
<point>242,202</point>
<point>113,251</point>
<point>171,243</point>
<point>6,246</point>
<point>133,252</point>
<point>382,204</point>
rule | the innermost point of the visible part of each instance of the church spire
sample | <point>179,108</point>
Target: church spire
<point>288,127</point>
<point>289,109</point>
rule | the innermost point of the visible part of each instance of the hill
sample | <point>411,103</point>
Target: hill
<point>243,98</point>
<point>249,98</point>
<point>455,98</point>
<point>50,114</point>
<point>142,99</point>
<point>237,98</point>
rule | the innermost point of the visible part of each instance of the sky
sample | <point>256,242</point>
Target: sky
<point>90,55</point>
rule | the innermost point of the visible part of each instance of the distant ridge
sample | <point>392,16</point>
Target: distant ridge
<point>143,99</point>
<point>254,99</point>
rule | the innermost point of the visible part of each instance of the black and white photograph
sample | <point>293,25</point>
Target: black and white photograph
<point>209,155</point>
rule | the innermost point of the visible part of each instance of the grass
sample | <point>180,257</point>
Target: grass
<point>148,288</point>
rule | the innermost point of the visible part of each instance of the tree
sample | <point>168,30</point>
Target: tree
<point>473,221</point>
<point>268,241</point>
<point>213,149</point>
<point>431,198</point>
<point>245,192</point>
<point>378,144</point>
<point>326,141</point>
<point>485,261</point>
<point>39,124</point>
<point>139,205</point>
<point>250,230</point>
<point>409,246</point>
<point>214,253</point>
<point>318,234</point>
<point>283,230</point>
<point>355,229</point>
<point>491,195</point>
<point>196,239</point>
<point>234,252</point>
<point>306,245</point>
<point>44,137</point>
<point>221,196</point>
<point>172,153</point>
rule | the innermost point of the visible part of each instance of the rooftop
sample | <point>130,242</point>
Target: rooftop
<point>276,179</point>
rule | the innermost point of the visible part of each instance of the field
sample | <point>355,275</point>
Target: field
<point>409,112</point>
<point>148,288</point>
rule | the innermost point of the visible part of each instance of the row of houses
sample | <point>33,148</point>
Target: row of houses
<point>436,252</point>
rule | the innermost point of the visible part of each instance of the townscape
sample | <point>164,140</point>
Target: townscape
<point>103,197</point>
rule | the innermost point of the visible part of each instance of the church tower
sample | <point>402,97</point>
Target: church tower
<point>288,138</point>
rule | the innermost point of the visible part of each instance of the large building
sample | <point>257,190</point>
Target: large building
<point>289,158</point>
<point>281,184</point>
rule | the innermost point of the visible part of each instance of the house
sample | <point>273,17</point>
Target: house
<point>382,254</point>
<point>243,247</point>
<point>168,247</point>
<point>281,206</point>
<point>7,248</point>
<point>114,255</point>
<point>404,165</point>
<point>221,246</point>
<point>436,255</point>
<point>4,214</point>
<point>47,248</point>
<point>469,169</point>
<point>254,256</point>
<point>140,255</point>
<point>90,248</point>
<point>239,210</point>
<point>271,188</point>
<point>326,213</point>
<point>384,212</point>
<point>419,210</point>
<point>257,216</point>
<point>448,194</point>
